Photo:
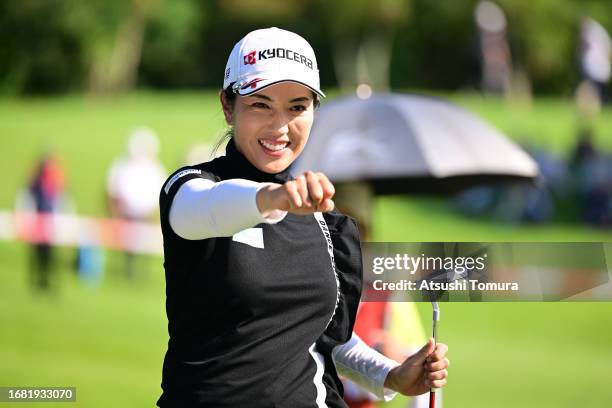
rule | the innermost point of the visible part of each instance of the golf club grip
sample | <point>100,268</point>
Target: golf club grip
<point>432,399</point>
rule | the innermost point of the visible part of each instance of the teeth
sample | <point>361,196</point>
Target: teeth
<point>274,146</point>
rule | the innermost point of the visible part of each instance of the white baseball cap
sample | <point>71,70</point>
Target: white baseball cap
<point>270,55</point>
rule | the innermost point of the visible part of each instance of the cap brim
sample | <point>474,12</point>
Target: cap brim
<point>264,83</point>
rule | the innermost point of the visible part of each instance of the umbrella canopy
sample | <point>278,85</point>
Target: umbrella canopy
<point>410,144</point>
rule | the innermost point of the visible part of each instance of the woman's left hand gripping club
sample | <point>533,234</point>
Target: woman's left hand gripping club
<point>420,372</point>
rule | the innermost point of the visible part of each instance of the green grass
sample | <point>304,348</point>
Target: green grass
<point>420,219</point>
<point>548,123</point>
<point>109,342</point>
<point>527,354</point>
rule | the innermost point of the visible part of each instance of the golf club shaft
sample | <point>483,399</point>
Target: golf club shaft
<point>436,317</point>
<point>432,392</point>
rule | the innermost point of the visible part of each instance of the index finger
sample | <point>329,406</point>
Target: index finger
<point>315,189</point>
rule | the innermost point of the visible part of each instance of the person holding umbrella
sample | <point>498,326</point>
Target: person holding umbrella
<point>263,275</point>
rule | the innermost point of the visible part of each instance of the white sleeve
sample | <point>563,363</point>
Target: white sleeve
<point>203,209</point>
<point>365,366</point>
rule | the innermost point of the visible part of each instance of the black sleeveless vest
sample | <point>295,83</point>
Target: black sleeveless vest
<point>251,326</point>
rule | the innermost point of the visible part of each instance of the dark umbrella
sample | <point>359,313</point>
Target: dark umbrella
<point>410,144</point>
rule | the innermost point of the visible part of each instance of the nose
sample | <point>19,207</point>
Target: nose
<point>280,123</point>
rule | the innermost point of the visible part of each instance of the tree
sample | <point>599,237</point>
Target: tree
<point>362,35</point>
<point>111,34</point>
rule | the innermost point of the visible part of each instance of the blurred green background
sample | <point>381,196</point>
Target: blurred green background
<point>67,85</point>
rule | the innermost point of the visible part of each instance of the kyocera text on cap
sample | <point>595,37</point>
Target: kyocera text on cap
<point>270,55</point>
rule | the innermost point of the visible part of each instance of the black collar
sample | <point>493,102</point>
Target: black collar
<point>241,167</point>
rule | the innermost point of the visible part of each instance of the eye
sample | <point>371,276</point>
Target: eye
<point>298,108</point>
<point>259,105</point>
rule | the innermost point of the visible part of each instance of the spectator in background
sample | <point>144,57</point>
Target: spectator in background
<point>133,185</point>
<point>46,194</point>
<point>520,202</point>
<point>496,58</point>
<point>591,181</point>
<point>595,52</point>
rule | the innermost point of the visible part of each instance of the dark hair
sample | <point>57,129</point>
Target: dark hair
<point>230,96</point>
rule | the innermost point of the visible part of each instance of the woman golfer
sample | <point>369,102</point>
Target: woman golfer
<point>263,276</point>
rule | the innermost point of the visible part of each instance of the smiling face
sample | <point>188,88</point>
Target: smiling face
<point>271,127</point>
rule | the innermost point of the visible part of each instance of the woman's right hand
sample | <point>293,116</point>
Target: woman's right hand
<point>308,193</point>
